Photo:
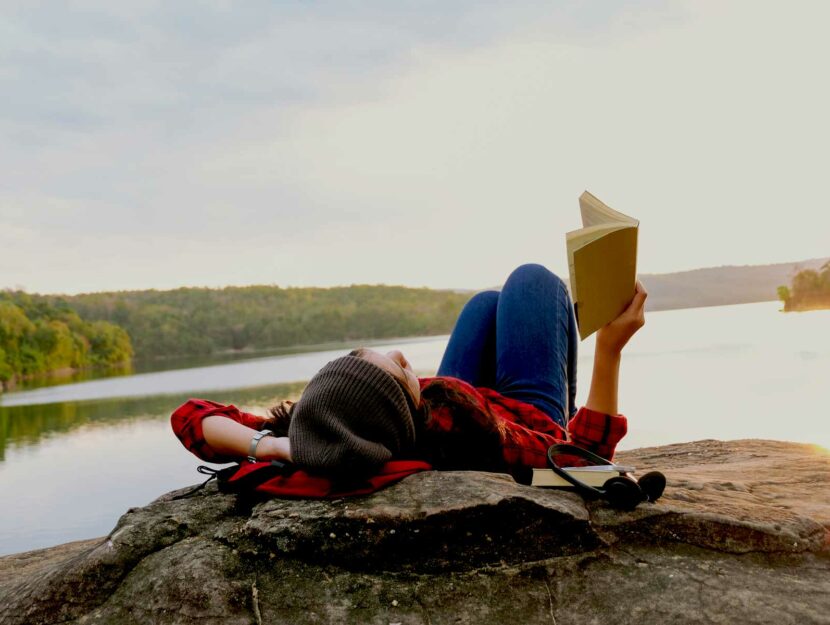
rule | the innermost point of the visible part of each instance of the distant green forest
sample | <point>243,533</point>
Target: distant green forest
<point>39,336</point>
<point>194,321</point>
<point>44,333</point>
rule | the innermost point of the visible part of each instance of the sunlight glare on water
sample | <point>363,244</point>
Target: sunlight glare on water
<point>743,371</point>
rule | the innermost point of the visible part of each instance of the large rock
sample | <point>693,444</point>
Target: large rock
<point>741,536</point>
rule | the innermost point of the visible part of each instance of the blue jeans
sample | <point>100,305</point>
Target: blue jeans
<point>520,342</point>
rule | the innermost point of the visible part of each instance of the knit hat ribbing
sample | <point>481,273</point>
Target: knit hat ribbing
<point>351,418</point>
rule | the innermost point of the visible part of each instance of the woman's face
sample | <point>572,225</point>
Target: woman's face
<point>398,367</point>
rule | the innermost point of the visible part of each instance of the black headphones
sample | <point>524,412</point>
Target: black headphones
<point>622,492</point>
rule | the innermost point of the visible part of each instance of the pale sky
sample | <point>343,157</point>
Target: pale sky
<point>159,144</point>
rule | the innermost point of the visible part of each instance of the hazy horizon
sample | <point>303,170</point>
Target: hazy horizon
<point>154,145</point>
<point>458,288</point>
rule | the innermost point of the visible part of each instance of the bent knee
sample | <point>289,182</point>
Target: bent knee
<point>483,300</point>
<point>534,272</point>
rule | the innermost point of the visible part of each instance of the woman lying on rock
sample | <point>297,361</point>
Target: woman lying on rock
<point>504,393</point>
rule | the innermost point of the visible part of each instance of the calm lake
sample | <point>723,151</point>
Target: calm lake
<point>74,457</point>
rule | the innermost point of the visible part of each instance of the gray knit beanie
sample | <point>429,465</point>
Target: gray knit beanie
<point>351,418</point>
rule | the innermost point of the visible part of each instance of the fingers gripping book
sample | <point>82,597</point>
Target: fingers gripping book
<point>602,260</point>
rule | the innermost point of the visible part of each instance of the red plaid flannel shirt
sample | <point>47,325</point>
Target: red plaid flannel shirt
<point>516,434</point>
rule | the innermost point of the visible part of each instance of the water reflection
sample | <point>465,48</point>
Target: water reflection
<point>27,425</point>
<point>214,377</point>
<point>188,362</point>
<point>71,376</point>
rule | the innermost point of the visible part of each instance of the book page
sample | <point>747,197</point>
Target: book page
<point>577,238</point>
<point>595,212</point>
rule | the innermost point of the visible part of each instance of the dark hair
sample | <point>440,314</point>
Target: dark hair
<point>473,440</point>
<point>280,417</point>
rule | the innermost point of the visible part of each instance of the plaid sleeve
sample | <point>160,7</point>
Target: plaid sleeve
<point>596,431</point>
<point>187,426</point>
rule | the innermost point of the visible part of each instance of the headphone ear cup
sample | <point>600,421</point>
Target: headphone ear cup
<point>623,493</point>
<point>653,484</point>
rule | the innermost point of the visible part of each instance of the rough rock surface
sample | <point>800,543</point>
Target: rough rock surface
<point>741,536</point>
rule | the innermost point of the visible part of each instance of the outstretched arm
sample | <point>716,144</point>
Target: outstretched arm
<point>611,339</point>
<point>227,437</point>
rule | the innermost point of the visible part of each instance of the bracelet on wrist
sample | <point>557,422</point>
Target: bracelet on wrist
<point>255,442</point>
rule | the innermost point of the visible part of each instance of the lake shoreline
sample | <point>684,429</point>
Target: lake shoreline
<point>67,375</point>
<point>62,374</point>
<point>143,364</point>
<point>807,304</point>
<point>146,364</point>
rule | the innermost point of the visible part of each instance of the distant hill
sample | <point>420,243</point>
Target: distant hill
<point>717,286</point>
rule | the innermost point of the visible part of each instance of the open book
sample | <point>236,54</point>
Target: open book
<point>594,475</point>
<point>602,258</point>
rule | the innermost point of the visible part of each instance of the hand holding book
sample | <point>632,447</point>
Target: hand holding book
<point>613,336</point>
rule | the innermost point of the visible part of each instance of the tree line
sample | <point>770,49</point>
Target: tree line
<point>809,289</point>
<point>40,336</point>
<point>200,321</point>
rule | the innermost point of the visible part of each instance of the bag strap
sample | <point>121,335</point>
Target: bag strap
<point>247,477</point>
<point>204,470</point>
<point>228,482</point>
<point>277,478</point>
